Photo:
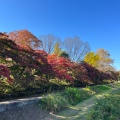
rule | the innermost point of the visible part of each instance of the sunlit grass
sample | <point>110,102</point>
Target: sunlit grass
<point>117,84</point>
<point>81,110</point>
<point>106,108</point>
<point>100,88</point>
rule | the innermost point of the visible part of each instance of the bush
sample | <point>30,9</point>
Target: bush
<point>72,95</point>
<point>59,101</point>
<point>75,95</point>
<point>108,108</point>
<point>53,102</point>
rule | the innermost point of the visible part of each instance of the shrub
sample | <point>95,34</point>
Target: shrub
<point>59,101</point>
<point>75,95</point>
<point>72,95</point>
<point>108,108</point>
<point>53,102</point>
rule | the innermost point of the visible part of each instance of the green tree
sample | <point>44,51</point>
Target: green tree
<point>64,54</point>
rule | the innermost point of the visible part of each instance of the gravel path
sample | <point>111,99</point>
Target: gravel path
<point>26,112</point>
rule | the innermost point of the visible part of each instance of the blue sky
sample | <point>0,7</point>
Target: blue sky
<point>94,21</point>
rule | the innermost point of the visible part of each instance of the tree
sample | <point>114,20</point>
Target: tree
<point>48,42</point>
<point>105,62</point>
<point>76,48</point>
<point>64,54</point>
<point>26,62</point>
<point>57,49</point>
<point>92,59</point>
<point>25,39</point>
<point>62,67</point>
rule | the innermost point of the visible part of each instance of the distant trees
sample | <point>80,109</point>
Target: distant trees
<point>25,39</point>
<point>100,59</point>
<point>105,62</point>
<point>58,51</point>
<point>48,42</point>
<point>76,48</point>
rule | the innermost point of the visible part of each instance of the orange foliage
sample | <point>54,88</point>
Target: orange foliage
<point>25,39</point>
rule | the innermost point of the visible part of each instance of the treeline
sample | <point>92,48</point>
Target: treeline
<point>24,64</point>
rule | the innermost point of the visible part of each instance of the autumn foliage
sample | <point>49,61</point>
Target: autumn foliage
<point>25,39</point>
<point>62,67</point>
<point>30,65</point>
<point>5,73</point>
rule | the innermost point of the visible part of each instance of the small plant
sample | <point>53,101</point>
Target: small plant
<point>53,102</point>
<point>72,95</point>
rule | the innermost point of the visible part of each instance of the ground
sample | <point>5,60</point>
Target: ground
<point>33,112</point>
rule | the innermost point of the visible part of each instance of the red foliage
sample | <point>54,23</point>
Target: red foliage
<point>4,71</point>
<point>31,59</point>
<point>80,73</point>
<point>97,76</point>
<point>49,66</point>
<point>92,73</point>
<point>61,67</point>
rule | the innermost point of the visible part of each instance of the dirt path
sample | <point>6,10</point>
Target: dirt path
<point>79,111</point>
<point>26,112</point>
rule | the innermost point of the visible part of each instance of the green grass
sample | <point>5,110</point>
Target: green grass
<point>58,101</point>
<point>53,102</point>
<point>117,84</point>
<point>107,108</point>
<point>100,88</point>
<point>75,95</point>
<point>70,97</point>
<point>81,110</point>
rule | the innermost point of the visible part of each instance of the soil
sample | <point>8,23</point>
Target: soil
<point>26,112</point>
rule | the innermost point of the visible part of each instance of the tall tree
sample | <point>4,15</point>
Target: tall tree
<point>105,62</point>
<point>48,42</point>
<point>92,59</point>
<point>57,49</point>
<point>76,48</point>
<point>25,39</point>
